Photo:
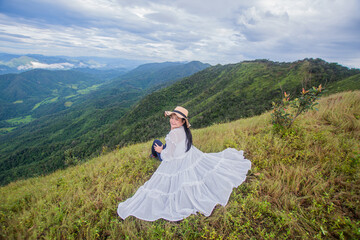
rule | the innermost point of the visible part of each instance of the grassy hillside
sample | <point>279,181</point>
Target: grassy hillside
<point>352,83</point>
<point>304,183</point>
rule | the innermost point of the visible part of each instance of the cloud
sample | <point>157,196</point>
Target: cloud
<point>33,65</point>
<point>219,31</point>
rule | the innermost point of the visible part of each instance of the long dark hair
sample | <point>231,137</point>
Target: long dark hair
<point>189,140</point>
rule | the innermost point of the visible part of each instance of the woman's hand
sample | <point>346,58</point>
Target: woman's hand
<point>158,148</point>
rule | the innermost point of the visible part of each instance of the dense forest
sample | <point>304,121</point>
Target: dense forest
<point>28,93</point>
<point>220,93</point>
<point>65,108</point>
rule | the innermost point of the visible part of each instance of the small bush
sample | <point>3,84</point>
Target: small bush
<point>285,112</point>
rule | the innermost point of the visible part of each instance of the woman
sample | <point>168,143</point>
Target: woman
<point>188,180</point>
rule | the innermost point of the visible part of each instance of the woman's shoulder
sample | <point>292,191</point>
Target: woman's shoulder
<point>176,133</point>
<point>176,130</point>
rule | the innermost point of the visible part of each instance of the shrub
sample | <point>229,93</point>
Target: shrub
<point>285,112</point>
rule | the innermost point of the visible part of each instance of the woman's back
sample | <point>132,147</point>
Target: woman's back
<point>175,144</point>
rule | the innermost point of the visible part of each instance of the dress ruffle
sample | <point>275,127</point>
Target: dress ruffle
<point>190,183</point>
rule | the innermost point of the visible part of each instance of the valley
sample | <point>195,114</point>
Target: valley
<point>67,122</point>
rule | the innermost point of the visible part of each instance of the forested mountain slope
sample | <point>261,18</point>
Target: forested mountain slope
<point>29,93</point>
<point>63,138</point>
<point>225,93</point>
<point>159,73</point>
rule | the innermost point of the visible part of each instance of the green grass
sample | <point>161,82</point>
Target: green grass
<point>68,104</point>
<point>304,184</point>
<point>15,122</point>
<point>45,101</point>
<point>70,96</point>
<point>83,91</point>
<point>89,89</point>
<point>55,96</point>
<point>352,83</point>
<point>20,120</point>
<point>6,130</point>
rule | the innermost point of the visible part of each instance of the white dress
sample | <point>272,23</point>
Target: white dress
<point>186,182</point>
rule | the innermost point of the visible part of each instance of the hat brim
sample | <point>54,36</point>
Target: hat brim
<point>168,113</point>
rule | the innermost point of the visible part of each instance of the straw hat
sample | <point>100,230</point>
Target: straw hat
<point>181,113</point>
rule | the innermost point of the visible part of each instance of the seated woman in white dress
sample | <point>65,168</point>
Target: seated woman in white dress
<point>187,180</point>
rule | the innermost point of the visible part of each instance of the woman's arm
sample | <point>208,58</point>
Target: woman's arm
<point>171,144</point>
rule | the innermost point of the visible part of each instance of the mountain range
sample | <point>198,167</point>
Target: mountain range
<point>130,108</point>
<point>44,112</point>
<point>13,63</point>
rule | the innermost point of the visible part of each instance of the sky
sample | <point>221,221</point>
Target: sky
<point>210,31</point>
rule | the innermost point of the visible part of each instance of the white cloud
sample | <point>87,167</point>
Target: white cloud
<point>219,31</point>
<point>33,65</point>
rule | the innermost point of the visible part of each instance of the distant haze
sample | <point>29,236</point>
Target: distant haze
<point>11,63</point>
